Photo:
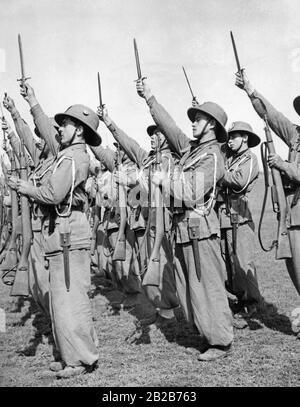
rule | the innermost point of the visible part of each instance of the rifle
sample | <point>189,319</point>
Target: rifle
<point>9,265</point>
<point>153,275</point>
<point>120,247</point>
<point>23,76</point>
<point>97,216</point>
<point>282,244</point>
<point>21,282</point>
<point>189,85</point>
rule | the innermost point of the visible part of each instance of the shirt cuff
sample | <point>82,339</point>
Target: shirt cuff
<point>36,111</point>
<point>151,101</point>
<point>32,191</point>
<point>15,114</point>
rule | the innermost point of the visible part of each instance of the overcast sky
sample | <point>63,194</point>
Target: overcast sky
<point>66,42</point>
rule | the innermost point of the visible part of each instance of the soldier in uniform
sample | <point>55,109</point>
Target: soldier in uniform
<point>125,274</point>
<point>42,158</point>
<point>65,225</point>
<point>290,169</point>
<point>200,270</point>
<point>162,297</point>
<point>237,227</point>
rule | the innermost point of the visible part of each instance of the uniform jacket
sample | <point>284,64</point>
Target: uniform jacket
<point>56,190</point>
<point>241,173</point>
<point>203,159</point>
<point>290,134</point>
<point>144,161</point>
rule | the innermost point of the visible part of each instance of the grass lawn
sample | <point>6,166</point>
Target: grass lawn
<point>265,354</point>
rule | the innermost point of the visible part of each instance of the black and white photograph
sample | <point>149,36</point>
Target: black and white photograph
<point>150,196</point>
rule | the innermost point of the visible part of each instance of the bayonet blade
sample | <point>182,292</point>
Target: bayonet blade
<point>188,82</point>
<point>137,60</point>
<point>21,58</point>
<point>99,91</point>
<point>2,114</point>
<point>235,53</point>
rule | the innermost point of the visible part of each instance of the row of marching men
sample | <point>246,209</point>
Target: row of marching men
<point>196,253</point>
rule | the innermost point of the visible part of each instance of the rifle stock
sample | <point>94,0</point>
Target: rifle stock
<point>283,250</point>
<point>153,275</point>
<point>95,228</point>
<point>21,282</point>
<point>120,247</point>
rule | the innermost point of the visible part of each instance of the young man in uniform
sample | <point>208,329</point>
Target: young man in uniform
<point>65,226</point>
<point>161,294</point>
<point>125,273</point>
<point>237,227</point>
<point>199,268</point>
<point>42,159</point>
<point>290,169</point>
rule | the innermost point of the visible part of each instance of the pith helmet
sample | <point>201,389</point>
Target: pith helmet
<point>243,127</point>
<point>87,117</point>
<point>216,112</point>
<point>296,104</point>
<point>151,129</point>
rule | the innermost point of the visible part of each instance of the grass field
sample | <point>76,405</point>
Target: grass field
<point>265,354</point>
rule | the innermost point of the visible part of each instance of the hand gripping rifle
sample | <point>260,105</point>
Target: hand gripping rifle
<point>153,275</point>
<point>21,283</point>
<point>120,247</point>
<point>282,244</point>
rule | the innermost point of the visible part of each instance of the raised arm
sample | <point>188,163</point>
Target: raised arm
<point>131,147</point>
<point>105,155</point>
<point>178,140</point>
<point>43,123</point>
<point>281,125</point>
<point>22,129</point>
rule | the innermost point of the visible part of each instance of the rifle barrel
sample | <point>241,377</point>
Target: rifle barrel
<point>235,53</point>
<point>137,60</point>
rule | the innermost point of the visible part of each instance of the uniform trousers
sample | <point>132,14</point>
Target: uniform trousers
<point>293,264</point>
<point>241,270</point>
<point>71,313</point>
<point>204,302</point>
<point>38,274</point>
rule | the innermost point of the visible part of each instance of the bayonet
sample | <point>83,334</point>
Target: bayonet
<point>23,76</point>
<point>189,85</point>
<point>137,61</point>
<point>235,54</point>
<point>99,91</point>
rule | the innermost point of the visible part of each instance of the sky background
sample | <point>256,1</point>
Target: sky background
<point>66,42</point>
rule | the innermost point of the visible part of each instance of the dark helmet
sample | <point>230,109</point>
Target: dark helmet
<point>87,117</point>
